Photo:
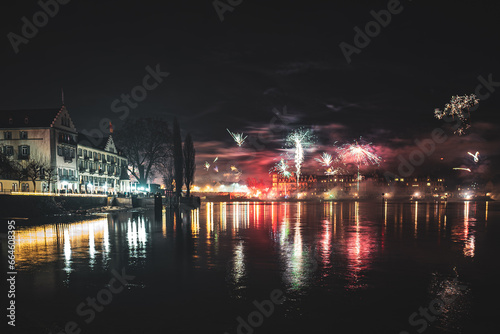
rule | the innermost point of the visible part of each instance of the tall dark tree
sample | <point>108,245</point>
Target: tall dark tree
<point>178,158</point>
<point>6,166</point>
<point>167,172</point>
<point>146,142</point>
<point>189,162</point>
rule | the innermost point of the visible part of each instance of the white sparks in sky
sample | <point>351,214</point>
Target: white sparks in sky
<point>475,156</point>
<point>238,137</point>
<point>282,169</point>
<point>325,159</point>
<point>459,106</point>
<point>465,169</point>
<point>207,165</point>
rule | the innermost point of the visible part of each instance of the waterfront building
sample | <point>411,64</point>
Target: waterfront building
<point>50,138</point>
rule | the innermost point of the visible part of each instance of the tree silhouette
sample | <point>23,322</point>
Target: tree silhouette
<point>146,142</point>
<point>189,162</point>
<point>178,158</point>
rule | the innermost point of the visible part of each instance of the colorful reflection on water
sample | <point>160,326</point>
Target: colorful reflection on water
<point>336,247</point>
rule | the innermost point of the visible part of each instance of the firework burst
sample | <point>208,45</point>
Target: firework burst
<point>358,154</point>
<point>238,137</point>
<point>207,165</point>
<point>299,139</point>
<point>325,159</point>
<point>282,169</point>
<point>459,106</point>
<point>465,169</point>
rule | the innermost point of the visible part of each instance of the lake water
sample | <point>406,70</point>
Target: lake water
<point>335,267</point>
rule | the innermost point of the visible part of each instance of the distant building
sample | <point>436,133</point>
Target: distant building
<point>50,136</point>
<point>419,186</point>
<point>312,185</point>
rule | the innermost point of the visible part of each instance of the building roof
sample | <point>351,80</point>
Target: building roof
<point>92,142</point>
<point>98,143</point>
<point>28,118</point>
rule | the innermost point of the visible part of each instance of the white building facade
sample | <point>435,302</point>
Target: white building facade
<point>50,136</point>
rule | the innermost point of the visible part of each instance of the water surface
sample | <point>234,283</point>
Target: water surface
<point>341,267</point>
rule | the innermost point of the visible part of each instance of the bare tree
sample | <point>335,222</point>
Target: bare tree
<point>178,158</point>
<point>189,162</point>
<point>146,143</point>
<point>49,175</point>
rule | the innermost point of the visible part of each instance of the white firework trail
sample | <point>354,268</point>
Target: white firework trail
<point>299,139</point>
<point>475,156</point>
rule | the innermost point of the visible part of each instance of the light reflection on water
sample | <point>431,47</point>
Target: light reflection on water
<point>333,245</point>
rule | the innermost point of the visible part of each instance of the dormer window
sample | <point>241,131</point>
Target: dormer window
<point>26,120</point>
<point>11,120</point>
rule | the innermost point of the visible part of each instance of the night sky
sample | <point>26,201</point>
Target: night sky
<point>268,57</point>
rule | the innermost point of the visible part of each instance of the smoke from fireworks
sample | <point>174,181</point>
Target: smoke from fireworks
<point>299,139</point>
<point>238,137</point>
<point>459,106</point>
<point>475,156</point>
<point>282,169</point>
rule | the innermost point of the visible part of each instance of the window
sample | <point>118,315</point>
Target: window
<point>59,151</point>
<point>72,153</point>
<point>79,152</point>
<point>25,150</point>
<point>23,135</point>
<point>9,150</point>
<point>99,156</point>
<point>84,153</point>
<point>7,135</point>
